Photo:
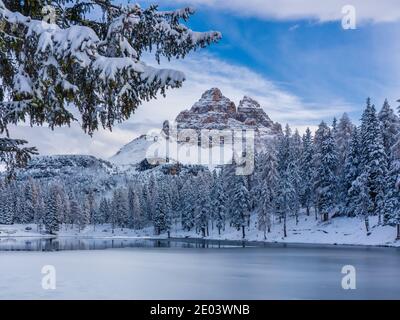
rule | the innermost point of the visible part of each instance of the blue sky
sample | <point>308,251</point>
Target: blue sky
<point>319,62</point>
<point>292,56</point>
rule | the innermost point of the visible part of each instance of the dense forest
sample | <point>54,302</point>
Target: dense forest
<point>340,170</point>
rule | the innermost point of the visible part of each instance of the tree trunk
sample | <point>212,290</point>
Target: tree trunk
<point>284,227</point>
<point>308,210</point>
<point>367,224</point>
<point>243,232</point>
<point>219,231</point>
<point>398,231</point>
<point>169,234</point>
<point>265,234</point>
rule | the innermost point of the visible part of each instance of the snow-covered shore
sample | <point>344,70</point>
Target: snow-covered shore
<point>341,231</point>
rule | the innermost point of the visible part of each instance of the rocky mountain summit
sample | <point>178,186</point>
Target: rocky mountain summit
<point>213,111</point>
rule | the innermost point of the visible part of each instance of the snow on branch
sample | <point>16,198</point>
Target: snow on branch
<point>49,65</point>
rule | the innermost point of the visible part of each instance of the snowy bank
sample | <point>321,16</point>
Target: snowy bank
<point>341,231</point>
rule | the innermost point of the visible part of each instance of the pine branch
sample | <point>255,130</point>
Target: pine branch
<point>14,155</point>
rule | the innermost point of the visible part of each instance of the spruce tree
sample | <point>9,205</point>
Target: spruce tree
<point>392,198</point>
<point>389,123</point>
<point>352,169</point>
<point>76,59</point>
<point>343,138</point>
<point>326,179</point>
<point>161,217</point>
<point>53,211</point>
<point>219,206</point>
<point>373,158</point>
<point>240,206</point>
<point>267,207</point>
<point>306,171</point>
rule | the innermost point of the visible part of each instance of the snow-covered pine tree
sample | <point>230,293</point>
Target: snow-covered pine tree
<point>145,204</point>
<point>342,140</point>
<point>66,206</point>
<point>30,203</point>
<point>104,210</point>
<point>40,212</point>
<point>135,214</point>
<point>392,197</point>
<point>307,171</point>
<point>286,194</point>
<point>219,205</point>
<point>326,179</point>
<point>294,171</point>
<point>373,158</point>
<point>76,59</point>
<point>84,217</point>
<point>161,217</point>
<point>240,206</point>
<point>187,206</point>
<point>351,173</point>
<point>363,202</point>
<point>92,203</point>
<point>120,208</point>
<point>75,211</point>
<point>392,191</point>
<point>97,217</point>
<point>7,209</point>
<point>268,197</point>
<point>390,127</point>
<point>202,210</point>
<point>53,210</point>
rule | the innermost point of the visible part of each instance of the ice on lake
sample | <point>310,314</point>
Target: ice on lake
<point>150,269</point>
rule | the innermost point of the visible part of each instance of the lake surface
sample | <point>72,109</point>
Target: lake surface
<point>188,269</point>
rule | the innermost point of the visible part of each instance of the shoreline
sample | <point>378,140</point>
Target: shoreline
<point>337,232</point>
<point>236,242</point>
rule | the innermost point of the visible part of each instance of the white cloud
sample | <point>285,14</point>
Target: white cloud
<point>320,10</point>
<point>203,72</point>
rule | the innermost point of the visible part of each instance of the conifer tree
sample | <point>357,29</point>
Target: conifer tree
<point>219,206</point>
<point>306,171</point>
<point>326,179</point>
<point>73,58</point>
<point>389,123</point>
<point>54,211</point>
<point>373,158</point>
<point>240,206</point>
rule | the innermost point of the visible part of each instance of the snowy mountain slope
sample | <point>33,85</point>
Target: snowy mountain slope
<point>213,111</point>
<point>81,171</point>
<point>133,152</point>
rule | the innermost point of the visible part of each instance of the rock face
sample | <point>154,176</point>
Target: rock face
<point>212,111</point>
<point>215,111</point>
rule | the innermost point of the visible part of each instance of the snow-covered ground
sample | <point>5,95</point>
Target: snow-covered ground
<point>349,231</point>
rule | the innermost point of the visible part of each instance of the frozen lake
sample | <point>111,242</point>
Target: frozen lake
<point>154,269</point>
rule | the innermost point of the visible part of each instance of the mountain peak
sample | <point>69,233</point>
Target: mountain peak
<point>213,94</point>
<point>248,102</point>
<point>213,101</point>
